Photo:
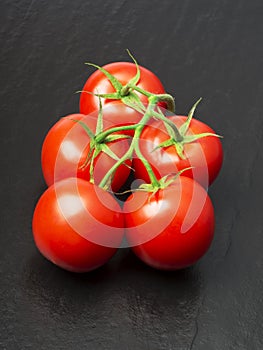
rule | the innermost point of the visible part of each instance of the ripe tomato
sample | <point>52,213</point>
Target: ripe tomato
<point>66,148</point>
<point>124,72</point>
<point>205,155</point>
<point>172,228</point>
<point>77,225</point>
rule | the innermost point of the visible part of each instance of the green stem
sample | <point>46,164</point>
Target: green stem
<point>178,136</point>
<point>169,101</point>
<point>140,90</point>
<point>100,137</point>
<point>112,170</point>
<point>153,179</point>
<point>134,147</point>
<point>161,97</point>
<point>125,91</point>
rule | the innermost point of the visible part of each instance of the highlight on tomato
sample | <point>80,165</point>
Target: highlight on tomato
<point>70,149</point>
<point>77,225</point>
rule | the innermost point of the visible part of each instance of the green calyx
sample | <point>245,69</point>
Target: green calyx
<point>127,93</point>
<point>178,136</point>
<point>163,183</point>
<point>98,147</point>
<point>98,143</point>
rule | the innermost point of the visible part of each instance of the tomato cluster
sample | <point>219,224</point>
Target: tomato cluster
<point>127,125</point>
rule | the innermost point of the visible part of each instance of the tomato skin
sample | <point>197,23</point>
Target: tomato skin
<point>61,209</point>
<point>66,146</point>
<point>204,155</point>
<point>184,206</point>
<point>124,72</point>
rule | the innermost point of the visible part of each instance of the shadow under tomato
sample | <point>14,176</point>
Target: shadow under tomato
<point>60,292</point>
<point>125,290</point>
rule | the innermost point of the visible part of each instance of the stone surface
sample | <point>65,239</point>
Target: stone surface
<point>199,48</point>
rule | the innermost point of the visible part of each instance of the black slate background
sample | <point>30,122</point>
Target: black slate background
<point>198,48</point>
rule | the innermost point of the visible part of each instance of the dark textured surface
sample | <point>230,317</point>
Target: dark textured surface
<point>198,48</point>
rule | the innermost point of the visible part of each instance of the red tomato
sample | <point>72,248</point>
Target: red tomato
<point>124,72</point>
<point>173,228</point>
<point>77,225</point>
<point>66,148</point>
<point>204,155</point>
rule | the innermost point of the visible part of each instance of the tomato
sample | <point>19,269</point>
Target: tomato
<point>205,155</point>
<point>77,225</point>
<point>66,148</point>
<point>124,72</point>
<point>172,228</point>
